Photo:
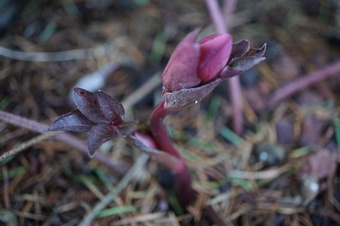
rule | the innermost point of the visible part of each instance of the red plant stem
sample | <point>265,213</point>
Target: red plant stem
<point>234,82</point>
<point>146,143</point>
<point>216,16</point>
<point>159,131</point>
<point>236,102</point>
<point>303,82</point>
<point>228,9</point>
<point>67,138</point>
<point>163,141</point>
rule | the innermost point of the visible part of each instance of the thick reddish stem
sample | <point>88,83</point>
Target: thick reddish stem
<point>159,131</point>
<point>183,188</point>
<point>236,102</point>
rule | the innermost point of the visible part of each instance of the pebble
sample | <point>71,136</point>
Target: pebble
<point>270,154</point>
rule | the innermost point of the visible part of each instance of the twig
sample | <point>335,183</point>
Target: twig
<point>233,83</point>
<point>303,82</point>
<point>76,54</point>
<point>216,16</point>
<point>228,9</point>
<point>67,138</point>
<point>27,144</point>
<point>111,196</point>
<point>214,216</point>
<point>46,56</point>
<point>260,175</point>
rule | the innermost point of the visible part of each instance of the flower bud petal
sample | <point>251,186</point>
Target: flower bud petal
<point>181,71</point>
<point>214,54</point>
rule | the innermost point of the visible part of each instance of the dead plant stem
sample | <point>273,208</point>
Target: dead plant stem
<point>233,83</point>
<point>65,137</point>
<point>27,144</point>
<point>304,82</point>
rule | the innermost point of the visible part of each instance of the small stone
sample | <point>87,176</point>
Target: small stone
<point>285,131</point>
<point>310,131</point>
<point>270,154</point>
<point>309,189</point>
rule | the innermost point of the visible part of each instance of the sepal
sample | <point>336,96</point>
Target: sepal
<point>243,58</point>
<point>183,98</point>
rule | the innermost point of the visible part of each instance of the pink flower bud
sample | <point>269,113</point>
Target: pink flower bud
<point>214,54</point>
<point>180,73</point>
<point>196,63</point>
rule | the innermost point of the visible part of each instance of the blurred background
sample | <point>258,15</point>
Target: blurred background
<point>282,171</point>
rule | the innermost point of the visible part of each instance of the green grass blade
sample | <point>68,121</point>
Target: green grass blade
<point>231,136</point>
<point>337,131</point>
<point>116,210</point>
<point>14,172</point>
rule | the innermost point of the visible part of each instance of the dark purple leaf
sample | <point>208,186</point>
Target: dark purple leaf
<point>98,135</point>
<point>239,49</point>
<point>112,109</point>
<point>182,98</point>
<point>125,130</point>
<point>87,103</point>
<point>73,121</point>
